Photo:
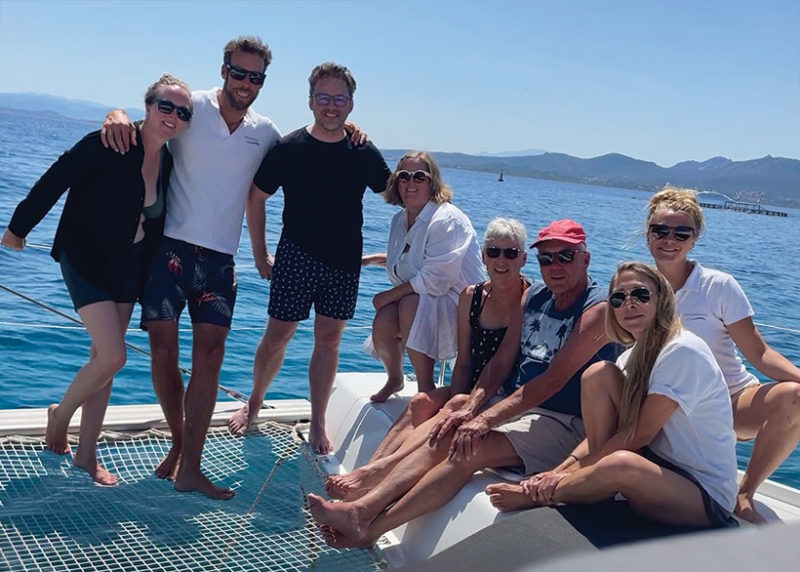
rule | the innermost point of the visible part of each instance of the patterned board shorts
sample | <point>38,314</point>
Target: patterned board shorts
<point>300,280</point>
<point>181,273</point>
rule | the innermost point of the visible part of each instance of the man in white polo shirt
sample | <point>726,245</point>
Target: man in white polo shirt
<point>215,161</point>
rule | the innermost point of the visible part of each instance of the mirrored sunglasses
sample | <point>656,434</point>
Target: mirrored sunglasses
<point>640,294</point>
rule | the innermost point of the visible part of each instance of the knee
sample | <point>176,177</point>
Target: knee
<point>787,401</point>
<point>210,356</point>
<point>407,309</point>
<point>600,378</point>
<point>421,406</point>
<point>275,340</point>
<point>385,321</point>
<point>621,469</point>
<point>111,359</point>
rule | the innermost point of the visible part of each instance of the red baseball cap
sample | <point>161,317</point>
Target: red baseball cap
<point>565,230</point>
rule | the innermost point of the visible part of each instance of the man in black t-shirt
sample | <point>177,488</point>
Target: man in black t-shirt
<point>318,259</point>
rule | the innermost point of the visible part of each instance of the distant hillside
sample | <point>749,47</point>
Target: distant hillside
<point>774,180</point>
<point>74,108</point>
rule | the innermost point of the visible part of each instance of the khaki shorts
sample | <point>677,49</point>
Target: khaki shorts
<point>543,438</point>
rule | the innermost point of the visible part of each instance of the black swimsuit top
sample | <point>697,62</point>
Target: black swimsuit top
<point>483,343</point>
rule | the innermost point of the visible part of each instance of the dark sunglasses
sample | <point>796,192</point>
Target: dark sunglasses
<point>564,256</point>
<point>325,99</point>
<point>640,294</point>
<point>418,176</point>
<point>166,106</point>
<point>494,252</point>
<point>661,231</point>
<point>237,73</point>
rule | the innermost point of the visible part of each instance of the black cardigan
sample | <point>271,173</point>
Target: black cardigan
<point>101,213</point>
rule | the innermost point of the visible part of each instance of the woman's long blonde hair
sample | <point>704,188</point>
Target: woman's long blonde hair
<point>665,326</point>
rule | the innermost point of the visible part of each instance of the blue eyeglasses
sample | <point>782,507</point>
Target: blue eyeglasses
<point>326,99</point>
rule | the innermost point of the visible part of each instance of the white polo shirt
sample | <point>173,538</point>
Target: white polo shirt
<point>707,303</point>
<point>212,175</point>
<point>698,437</point>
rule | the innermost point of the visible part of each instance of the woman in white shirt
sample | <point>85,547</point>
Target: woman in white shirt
<point>432,255</point>
<point>712,305</point>
<point>658,422</point>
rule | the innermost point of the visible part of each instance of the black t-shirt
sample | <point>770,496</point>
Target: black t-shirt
<point>323,186</point>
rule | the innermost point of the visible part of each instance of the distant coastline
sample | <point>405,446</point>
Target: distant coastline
<point>769,180</point>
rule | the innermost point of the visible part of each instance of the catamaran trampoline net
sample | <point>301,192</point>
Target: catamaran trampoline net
<point>53,517</point>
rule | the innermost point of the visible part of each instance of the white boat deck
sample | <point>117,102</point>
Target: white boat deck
<point>142,417</point>
<point>356,426</point>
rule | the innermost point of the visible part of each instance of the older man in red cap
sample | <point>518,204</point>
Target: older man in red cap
<point>558,333</point>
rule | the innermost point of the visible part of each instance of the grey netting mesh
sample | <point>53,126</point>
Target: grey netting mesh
<point>52,517</point>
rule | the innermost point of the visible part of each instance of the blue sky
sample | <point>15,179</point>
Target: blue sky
<point>660,80</point>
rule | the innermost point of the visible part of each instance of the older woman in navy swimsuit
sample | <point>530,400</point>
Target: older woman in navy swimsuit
<point>113,217</point>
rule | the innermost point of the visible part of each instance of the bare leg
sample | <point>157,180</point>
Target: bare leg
<point>321,373</point>
<point>601,389</point>
<point>357,483</point>
<point>93,413</point>
<point>389,347</point>
<point>103,324</point>
<point>208,349</point>
<point>360,522</point>
<point>266,365</point>
<point>656,493</point>
<point>168,387</point>
<point>422,407</point>
<point>422,364</point>
<point>770,413</point>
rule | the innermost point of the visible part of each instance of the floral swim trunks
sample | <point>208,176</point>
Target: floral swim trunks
<point>183,273</point>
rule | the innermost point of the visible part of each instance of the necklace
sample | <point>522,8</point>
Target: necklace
<point>234,123</point>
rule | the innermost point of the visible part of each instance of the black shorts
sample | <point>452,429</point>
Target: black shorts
<point>300,280</point>
<point>715,512</point>
<point>83,293</point>
<point>181,273</point>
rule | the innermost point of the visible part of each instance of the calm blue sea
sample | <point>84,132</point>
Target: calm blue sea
<point>40,351</point>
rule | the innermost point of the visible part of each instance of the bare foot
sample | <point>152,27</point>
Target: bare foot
<point>198,482</point>
<point>98,473</point>
<point>169,465</point>
<point>342,517</point>
<point>746,509</point>
<point>55,437</point>
<point>319,441</point>
<point>392,386</point>
<point>336,539</point>
<point>241,420</point>
<point>352,485</point>
<point>506,497</point>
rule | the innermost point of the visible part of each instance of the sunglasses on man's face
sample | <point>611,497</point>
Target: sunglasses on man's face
<point>661,231</point>
<point>167,107</point>
<point>494,252</point>
<point>418,176</point>
<point>640,294</point>
<point>564,256</point>
<point>237,73</point>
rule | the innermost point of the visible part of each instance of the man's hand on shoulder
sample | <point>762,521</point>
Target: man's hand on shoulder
<point>357,136</point>
<point>118,132</point>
